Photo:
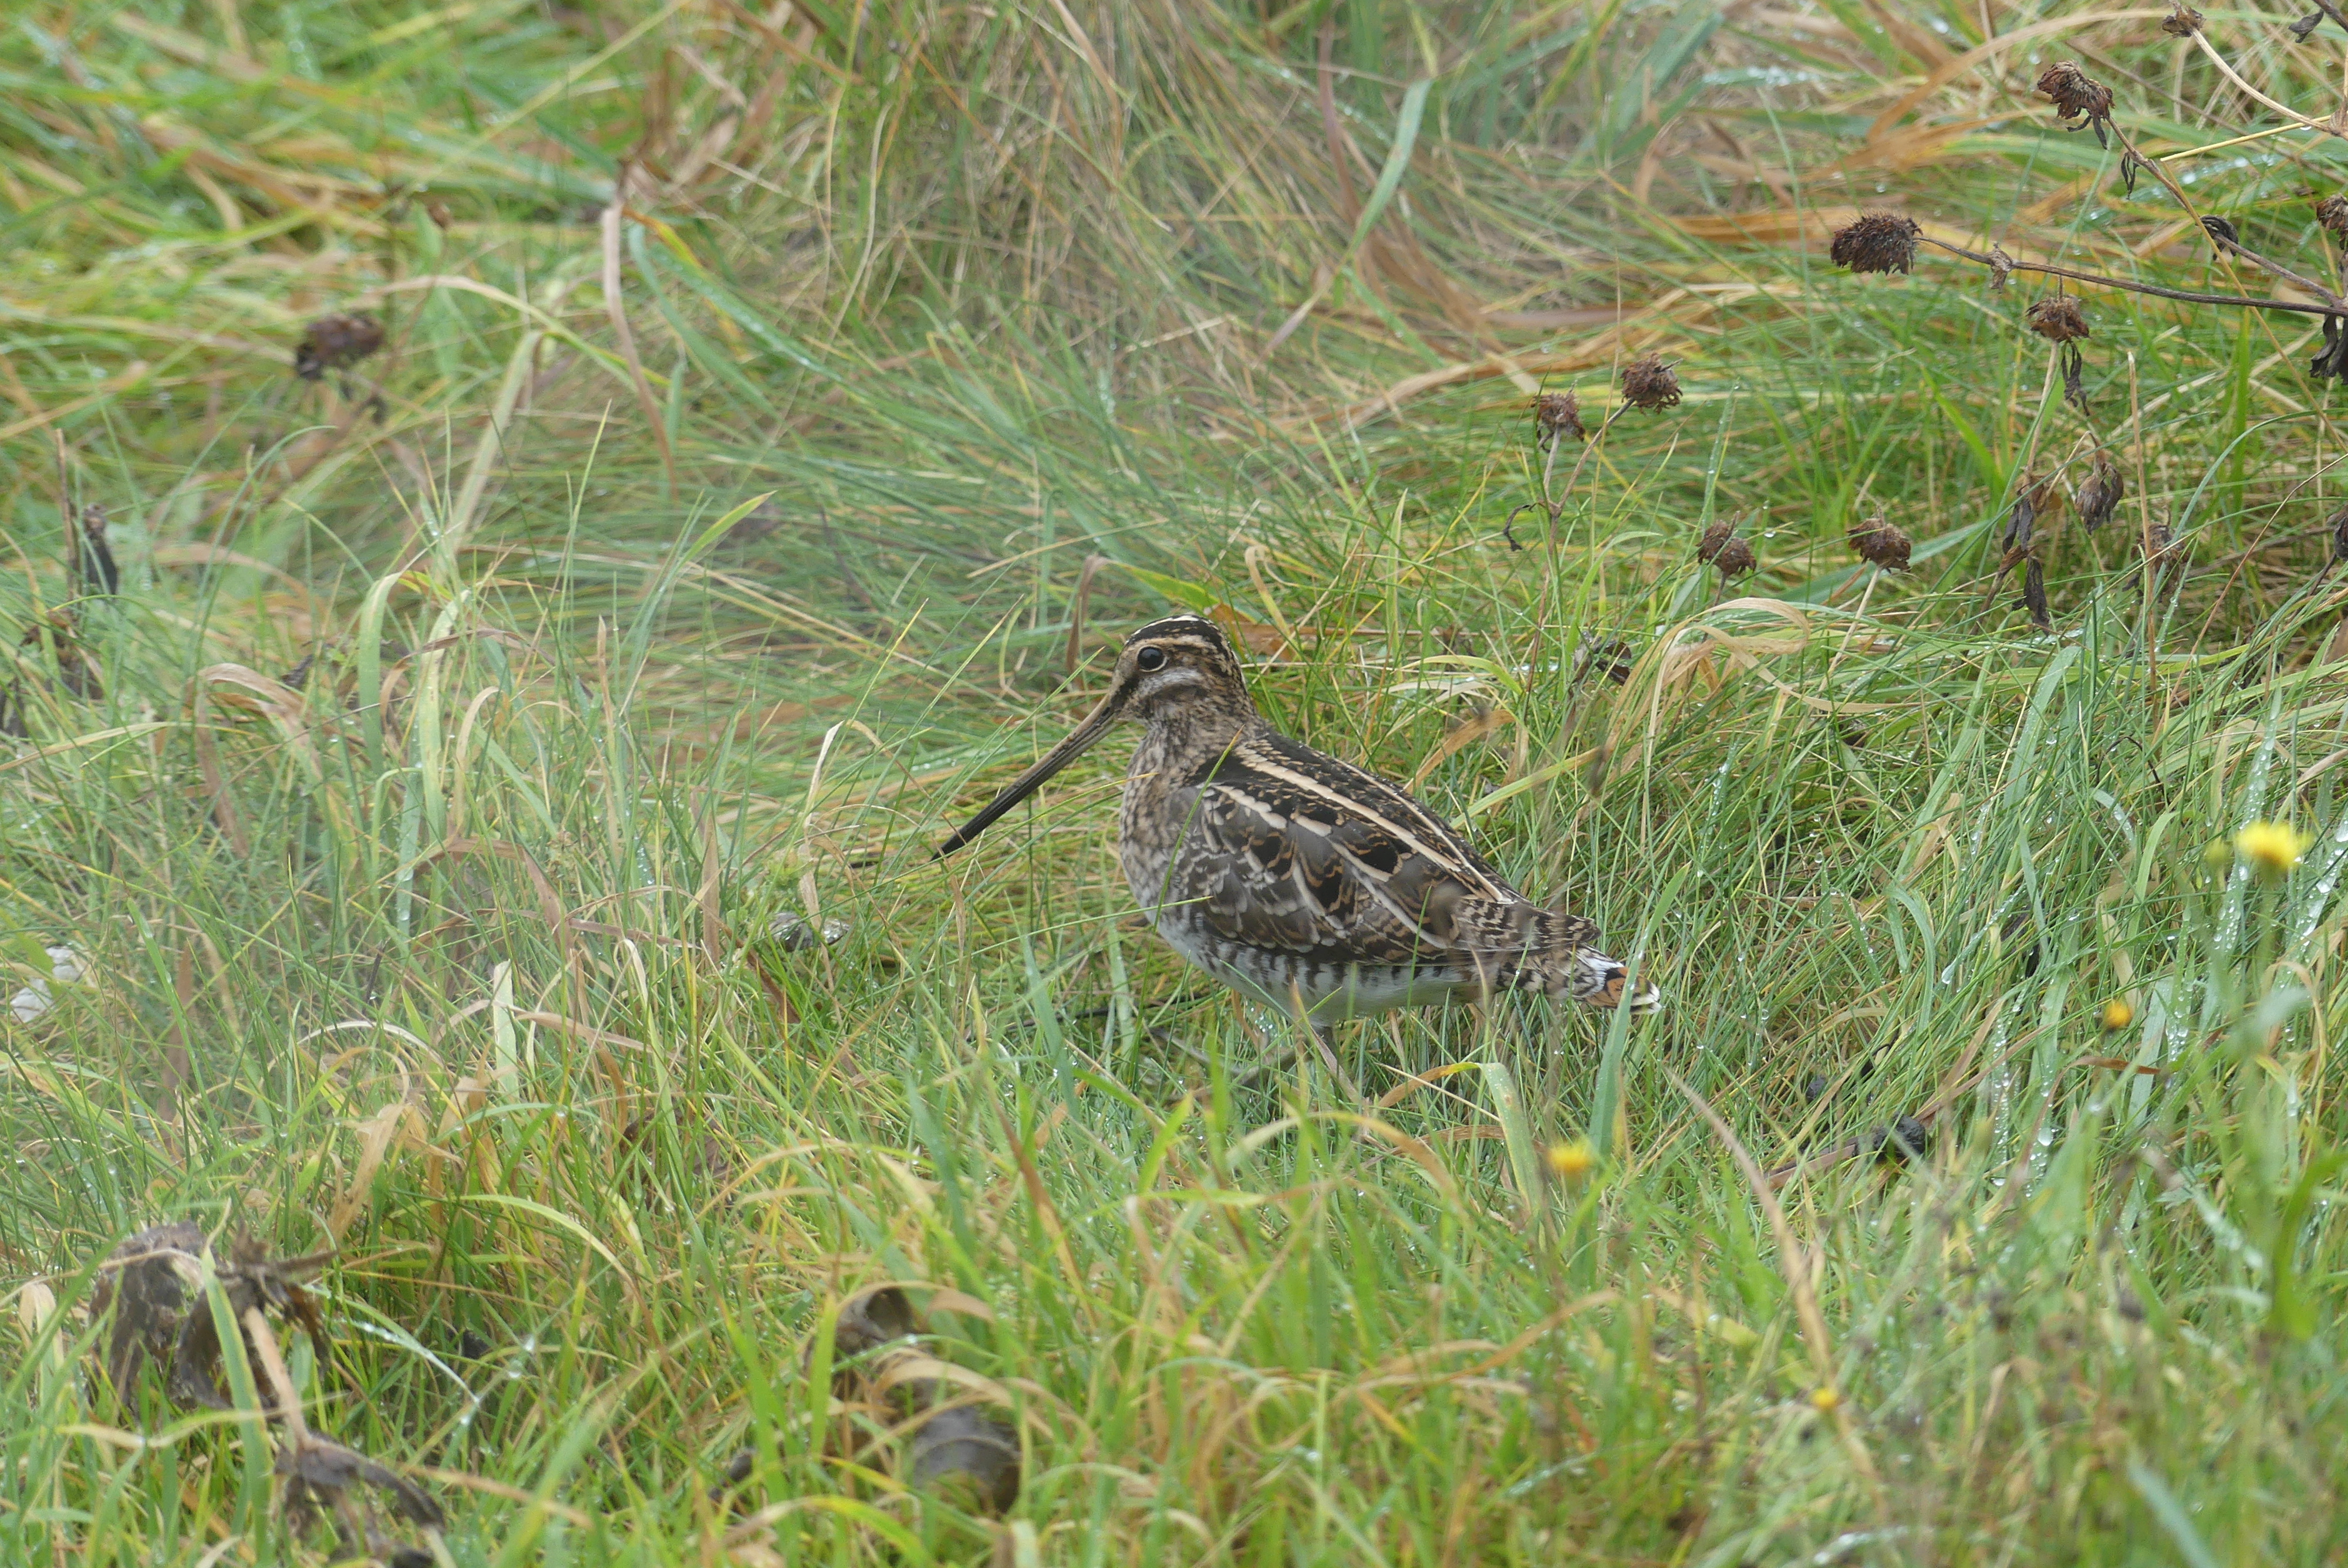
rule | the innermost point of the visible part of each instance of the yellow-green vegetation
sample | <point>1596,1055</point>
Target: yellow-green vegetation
<point>481,826</point>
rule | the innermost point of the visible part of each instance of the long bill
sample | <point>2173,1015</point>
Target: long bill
<point>1095,724</point>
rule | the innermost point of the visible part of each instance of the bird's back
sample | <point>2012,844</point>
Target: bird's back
<point>1303,878</point>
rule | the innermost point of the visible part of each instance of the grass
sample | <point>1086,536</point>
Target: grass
<point>943,350</point>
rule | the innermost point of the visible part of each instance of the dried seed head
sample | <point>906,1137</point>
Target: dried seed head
<point>2333,213</point>
<point>2331,360</point>
<point>2078,97</point>
<point>2100,493</point>
<point>1876,242</point>
<point>2033,594</point>
<point>2182,23</point>
<point>2000,266</point>
<point>1722,549</point>
<point>2057,318</point>
<point>1881,544</point>
<point>2029,496</point>
<point>332,342</point>
<point>1557,414</point>
<point>1649,383</point>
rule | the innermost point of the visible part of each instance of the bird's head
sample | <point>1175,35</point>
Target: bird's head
<point>1180,668</point>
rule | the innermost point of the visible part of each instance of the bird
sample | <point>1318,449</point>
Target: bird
<point>1309,886</point>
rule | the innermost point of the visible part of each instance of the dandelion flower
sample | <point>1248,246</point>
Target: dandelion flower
<point>2271,848</point>
<point>1573,1161</point>
<point>2117,1015</point>
<point>1825,1398</point>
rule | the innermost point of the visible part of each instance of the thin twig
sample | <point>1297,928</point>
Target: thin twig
<point>2006,263</point>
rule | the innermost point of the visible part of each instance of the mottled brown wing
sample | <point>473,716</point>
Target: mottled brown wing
<point>1297,852</point>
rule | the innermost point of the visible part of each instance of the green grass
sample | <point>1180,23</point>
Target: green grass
<point>456,952</point>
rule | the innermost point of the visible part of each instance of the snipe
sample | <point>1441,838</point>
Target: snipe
<point>1302,881</point>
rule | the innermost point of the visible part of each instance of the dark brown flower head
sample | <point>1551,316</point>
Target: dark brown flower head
<point>1715,536</point>
<point>332,342</point>
<point>2057,318</point>
<point>2077,97</point>
<point>1557,414</point>
<point>2100,493</point>
<point>2332,213</point>
<point>1879,544</point>
<point>1649,383</point>
<point>1876,242</point>
<point>2181,23</point>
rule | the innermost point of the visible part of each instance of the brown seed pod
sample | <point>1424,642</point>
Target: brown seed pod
<point>2033,594</point>
<point>333,342</point>
<point>2181,23</point>
<point>1879,544</point>
<point>1649,383</point>
<point>2057,318</point>
<point>1715,536</point>
<point>2332,213</point>
<point>2077,96</point>
<point>1557,414</point>
<point>2331,360</point>
<point>91,560</point>
<point>1876,242</point>
<point>2100,493</point>
<point>2022,521</point>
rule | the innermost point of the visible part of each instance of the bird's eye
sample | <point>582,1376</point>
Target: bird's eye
<point>1152,659</point>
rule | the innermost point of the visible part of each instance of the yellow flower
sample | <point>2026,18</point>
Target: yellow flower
<point>2271,848</point>
<point>1571,1162</point>
<point>1825,1398</point>
<point>2117,1015</point>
